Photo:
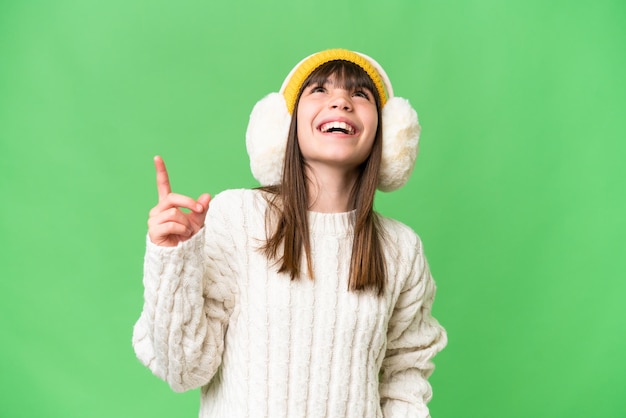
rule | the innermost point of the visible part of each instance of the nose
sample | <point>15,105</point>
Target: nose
<point>340,99</point>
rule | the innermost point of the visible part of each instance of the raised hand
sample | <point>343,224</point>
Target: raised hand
<point>168,224</point>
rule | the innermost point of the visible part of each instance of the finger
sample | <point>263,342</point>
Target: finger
<point>204,200</point>
<point>162,178</point>
<point>170,215</point>
<point>198,218</point>
<point>174,200</point>
<point>168,230</point>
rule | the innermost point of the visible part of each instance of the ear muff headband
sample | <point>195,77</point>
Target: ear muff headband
<point>268,128</point>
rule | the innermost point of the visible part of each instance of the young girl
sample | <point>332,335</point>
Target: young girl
<point>297,299</point>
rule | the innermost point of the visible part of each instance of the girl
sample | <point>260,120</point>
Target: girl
<point>297,299</point>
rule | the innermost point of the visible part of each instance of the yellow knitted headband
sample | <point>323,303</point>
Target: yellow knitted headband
<point>293,83</point>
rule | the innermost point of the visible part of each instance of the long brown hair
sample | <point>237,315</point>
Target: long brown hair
<point>287,219</point>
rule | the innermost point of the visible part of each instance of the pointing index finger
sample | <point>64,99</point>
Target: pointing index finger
<point>162,178</point>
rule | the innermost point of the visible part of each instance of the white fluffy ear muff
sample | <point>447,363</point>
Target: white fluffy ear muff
<point>266,138</point>
<point>401,133</point>
<point>268,128</point>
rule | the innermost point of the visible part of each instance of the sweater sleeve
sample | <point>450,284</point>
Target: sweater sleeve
<point>413,339</point>
<point>189,295</point>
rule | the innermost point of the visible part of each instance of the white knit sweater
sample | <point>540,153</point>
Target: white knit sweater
<point>219,316</point>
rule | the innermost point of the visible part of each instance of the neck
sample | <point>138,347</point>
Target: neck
<point>330,189</point>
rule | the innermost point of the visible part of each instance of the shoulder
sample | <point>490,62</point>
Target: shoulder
<point>403,251</point>
<point>398,234</point>
<point>238,206</point>
<point>233,199</point>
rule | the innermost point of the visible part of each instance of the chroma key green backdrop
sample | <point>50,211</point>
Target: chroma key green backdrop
<point>518,193</point>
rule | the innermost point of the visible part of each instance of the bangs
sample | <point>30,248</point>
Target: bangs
<point>347,75</point>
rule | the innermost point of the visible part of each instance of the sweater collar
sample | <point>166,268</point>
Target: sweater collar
<point>341,223</point>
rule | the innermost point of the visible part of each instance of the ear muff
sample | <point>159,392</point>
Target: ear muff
<point>266,138</point>
<point>268,127</point>
<point>401,134</point>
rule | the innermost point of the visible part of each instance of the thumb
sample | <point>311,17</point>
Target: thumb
<point>198,217</point>
<point>204,200</point>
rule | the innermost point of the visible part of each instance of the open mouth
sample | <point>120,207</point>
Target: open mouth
<point>341,127</point>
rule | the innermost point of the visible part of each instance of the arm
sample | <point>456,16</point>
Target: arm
<point>189,287</point>
<point>413,339</point>
<point>180,333</point>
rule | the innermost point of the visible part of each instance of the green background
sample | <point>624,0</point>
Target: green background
<point>518,193</point>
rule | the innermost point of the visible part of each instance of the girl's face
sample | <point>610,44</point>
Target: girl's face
<point>336,126</point>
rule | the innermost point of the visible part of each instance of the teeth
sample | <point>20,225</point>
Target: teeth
<point>342,126</point>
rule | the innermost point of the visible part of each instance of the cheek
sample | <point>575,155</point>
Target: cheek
<point>374,120</point>
<point>302,120</point>
<point>372,124</point>
<point>301,135</point>
<point>369,117</point>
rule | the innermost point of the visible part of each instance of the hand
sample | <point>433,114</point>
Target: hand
<point>168,225</point>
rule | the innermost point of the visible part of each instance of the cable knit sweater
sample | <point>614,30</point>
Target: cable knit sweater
<point>218,315</point>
